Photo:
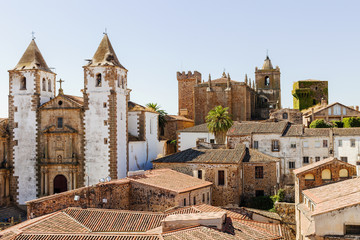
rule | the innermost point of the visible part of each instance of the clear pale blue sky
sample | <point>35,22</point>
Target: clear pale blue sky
<point>155,39</point>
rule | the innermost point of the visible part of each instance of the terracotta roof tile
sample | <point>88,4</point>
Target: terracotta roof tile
<point>246,128</point>
<point>179,182</point>
<point>198,128</point>
<point>206,156</point>
<point>319,163</point>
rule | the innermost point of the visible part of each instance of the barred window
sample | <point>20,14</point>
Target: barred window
<point>275,147</point>
<point>256,145</point>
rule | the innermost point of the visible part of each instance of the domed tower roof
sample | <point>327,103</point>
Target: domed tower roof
<point>105,55</point>
<point>32,59</point>
<point>267,64</point>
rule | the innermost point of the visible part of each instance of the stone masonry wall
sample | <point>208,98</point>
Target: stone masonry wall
<point>227,195</point>
<point>186,83</point>
<point>117,195</point>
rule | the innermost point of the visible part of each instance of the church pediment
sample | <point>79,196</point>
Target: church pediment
<point>54,129</point>
<point>63,102</point>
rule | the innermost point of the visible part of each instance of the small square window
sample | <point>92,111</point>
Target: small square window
<point>305,144</point>
<point>317,159</point>
<point>105,104</point>
<point>275,145</point>
<point>105,141</point>
<point>305,160</point>
<point>340,143</point>
<point>325,143</point>
<point>105,122</point>
<point>344,159</point>
<point>212,140</point>
<point>293,145</point>
<point>291,165</point>
<point>259,172</point>
<point>352,142</point>
<point>256,145</point>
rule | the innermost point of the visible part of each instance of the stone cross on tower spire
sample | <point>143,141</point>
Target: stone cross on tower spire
<point>61,92</point>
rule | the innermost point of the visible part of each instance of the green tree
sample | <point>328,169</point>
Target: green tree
<point>162,115</point>
<point>337,123</point>
<point>319,123</point>
<point>219,122</point>
<point>351,122</point>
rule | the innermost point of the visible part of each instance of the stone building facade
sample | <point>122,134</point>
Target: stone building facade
<point>308,93</point>
<point>53,143</point>
<point>245,100</point>
<point>287,114</point>
<point>237,174</point>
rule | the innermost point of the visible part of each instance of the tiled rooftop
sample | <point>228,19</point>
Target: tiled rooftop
<point>179,182</point>
<point>109,224</point>
<point>334,196</point>
<point>205,156</point>
<point>246,128</point>
<point>198,128</point>
<point>318,164</point>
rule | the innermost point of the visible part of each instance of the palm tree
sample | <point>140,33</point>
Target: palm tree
<point>219,122</point>
<point>162,113</point>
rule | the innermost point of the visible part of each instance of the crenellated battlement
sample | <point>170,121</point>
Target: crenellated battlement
<point>188,75</point>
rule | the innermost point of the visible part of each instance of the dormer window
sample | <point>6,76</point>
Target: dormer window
<point>23,83</point>
<point>98,80</point>
<point>43,84</point>
<point>267,81</point>
<point>49,85</point>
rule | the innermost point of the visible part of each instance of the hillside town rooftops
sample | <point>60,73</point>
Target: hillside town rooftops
<point>76,223</point>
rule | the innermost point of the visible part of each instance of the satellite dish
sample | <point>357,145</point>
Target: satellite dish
<point>108,178</point>
<point>102,180</point>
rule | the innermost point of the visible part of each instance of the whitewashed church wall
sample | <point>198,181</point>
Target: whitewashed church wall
<point>133,123</point>
<point>46,95</point>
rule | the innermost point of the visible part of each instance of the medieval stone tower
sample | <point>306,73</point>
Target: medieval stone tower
<point>268,88</point>
<point>31,83</point>
<point>105,119</point>
<point>186,83</point>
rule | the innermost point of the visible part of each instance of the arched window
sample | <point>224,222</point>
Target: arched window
<point>326,174</point>
<point>267,81</point>
<point>49,85</point>
<point>98,80</point>
<point>43,84</point>
<point>285,116</point>
<point>309,177</point>
<point>23,83</point>
<point>60,184</point>
<point>343,173</point>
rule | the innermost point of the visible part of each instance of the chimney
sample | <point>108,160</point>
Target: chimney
<point>357,108</point>
<point>323,102</point>
<point>178,221</point>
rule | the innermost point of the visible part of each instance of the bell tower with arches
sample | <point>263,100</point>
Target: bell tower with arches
<point>268,88</point>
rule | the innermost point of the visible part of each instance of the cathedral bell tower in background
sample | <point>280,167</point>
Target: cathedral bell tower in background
<point>31,83</point>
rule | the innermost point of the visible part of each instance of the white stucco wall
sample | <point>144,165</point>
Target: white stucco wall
<point>333,223</point>
<point>352,153</point>
<point>133,123</point>
<point>188,139</point>
<point>25,134</point>
<point>96,151</point>
<point>121,125</point>
<point>47,95</point>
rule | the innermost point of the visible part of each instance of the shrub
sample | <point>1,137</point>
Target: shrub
<point>351,122</point>
<point>319,123</point>
<point>337,124</point>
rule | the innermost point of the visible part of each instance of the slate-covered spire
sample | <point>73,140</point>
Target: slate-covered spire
<point>32,59</point>
<point>105,55</point>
